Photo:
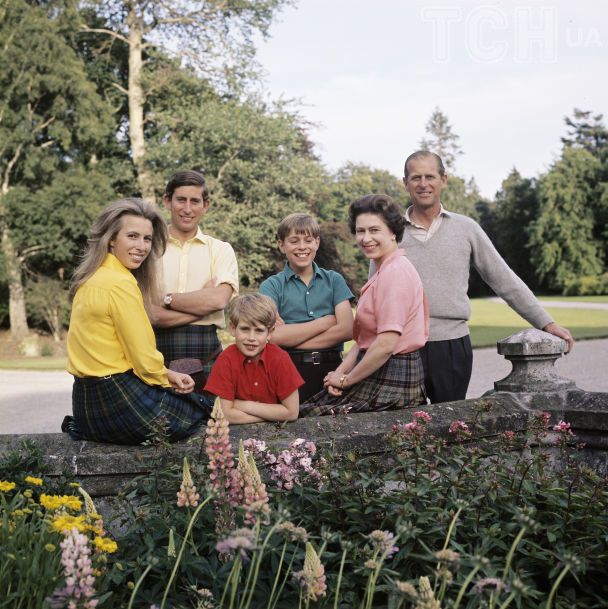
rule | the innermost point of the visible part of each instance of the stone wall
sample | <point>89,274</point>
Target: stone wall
<point>532,385</point>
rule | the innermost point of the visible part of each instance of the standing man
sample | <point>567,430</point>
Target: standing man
<point>443,245</point>
<point>200,276</point>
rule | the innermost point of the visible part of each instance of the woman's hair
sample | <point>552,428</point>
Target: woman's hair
<point>379,205</point>
<point>253,309</point>
<point>106,228</point>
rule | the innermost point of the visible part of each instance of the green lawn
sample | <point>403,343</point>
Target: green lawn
<point>491,321</point>
<point>576,298</point>
<point>34,363</point>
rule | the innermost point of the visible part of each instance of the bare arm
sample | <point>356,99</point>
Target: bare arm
<point>204,301</point>
<point>236,416</point>
<point>377,355</point>
<point>287,410</point>
<point>291,335</point>
<point>167,318</point>
<point>342,330</point>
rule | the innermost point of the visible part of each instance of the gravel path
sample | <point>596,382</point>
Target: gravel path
<point>36,402</point>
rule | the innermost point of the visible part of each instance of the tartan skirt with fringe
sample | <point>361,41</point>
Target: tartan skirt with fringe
<point>122,409</point>
<point>199,342</point>
<point>399,383</point>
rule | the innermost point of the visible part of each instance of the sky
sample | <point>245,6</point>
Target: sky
<point>368,75</point>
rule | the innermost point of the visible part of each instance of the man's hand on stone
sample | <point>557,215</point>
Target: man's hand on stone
<point>560,332</point>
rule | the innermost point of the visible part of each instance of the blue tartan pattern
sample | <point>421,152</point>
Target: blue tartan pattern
<point>122,409</point>
<point>398,383</point>
<point>199,342</point>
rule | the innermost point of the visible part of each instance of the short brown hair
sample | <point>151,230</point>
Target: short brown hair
<point>187,177</point>
<point>254,308</point>
<point>303,224</point>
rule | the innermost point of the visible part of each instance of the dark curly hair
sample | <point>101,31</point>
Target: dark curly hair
<point>380,205</point>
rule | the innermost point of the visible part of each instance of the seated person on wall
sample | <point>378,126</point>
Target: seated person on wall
<point>254,380</point>
<point>122,390</point>
<point>383,371</point>
<point>313,303</point>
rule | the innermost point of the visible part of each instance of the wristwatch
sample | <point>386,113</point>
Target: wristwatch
<point>167,300</point>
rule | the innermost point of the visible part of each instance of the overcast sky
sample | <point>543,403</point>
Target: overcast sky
<point>370,73</point>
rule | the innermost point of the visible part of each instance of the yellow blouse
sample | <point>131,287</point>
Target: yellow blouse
<point>109,328</point>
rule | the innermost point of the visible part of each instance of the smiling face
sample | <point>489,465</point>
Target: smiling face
<point>374,238</point>
<point>187,207</point>
<point>424,183</point>
<point>250,338</point>
<point>300,249</point>
<point>133,242</point>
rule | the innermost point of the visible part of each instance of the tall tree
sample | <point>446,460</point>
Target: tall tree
<point>516,209</point>
<point>441,140</point>
<point>562,241</point>
<point>50,116</point>
<point>215,36</point>
<point>587,131</point>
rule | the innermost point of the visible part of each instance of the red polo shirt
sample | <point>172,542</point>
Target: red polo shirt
<point>269,380</point>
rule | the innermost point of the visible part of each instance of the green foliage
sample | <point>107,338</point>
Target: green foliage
<point>441,140</point>
<point>47,301</point>
<point>562,241</point>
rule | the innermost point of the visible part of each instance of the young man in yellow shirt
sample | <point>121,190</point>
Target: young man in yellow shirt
<point>200,277</point>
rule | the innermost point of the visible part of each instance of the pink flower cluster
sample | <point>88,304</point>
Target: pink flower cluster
<point>290,466</point>
<point>459,427</point>
<point>382,543</point>
<point>240,541</point>
<point>78,572</point>
<point>254,495</point>
<point>563,428</point>
<point>222,472</point>
<point>414,430</point>
<point>187,494</point>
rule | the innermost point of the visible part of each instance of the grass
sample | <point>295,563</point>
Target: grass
<point>490,322</point>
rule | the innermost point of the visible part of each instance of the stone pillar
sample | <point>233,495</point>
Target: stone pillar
<point>533,354</point>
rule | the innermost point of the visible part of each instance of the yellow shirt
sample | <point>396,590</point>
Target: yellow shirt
<point>109,328</point>
<point>190,266</point>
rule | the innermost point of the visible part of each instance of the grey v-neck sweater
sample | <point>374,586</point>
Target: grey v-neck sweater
<point>443,263</point>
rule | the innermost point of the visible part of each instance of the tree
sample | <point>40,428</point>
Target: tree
<point>441,140</point>
<point>517,208</point>
<point>562,241</point>
<point>587,131</point>
<point>50,120</point>
<point>215,36</point>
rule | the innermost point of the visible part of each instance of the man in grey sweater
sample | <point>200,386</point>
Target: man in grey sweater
<point>442,246</point>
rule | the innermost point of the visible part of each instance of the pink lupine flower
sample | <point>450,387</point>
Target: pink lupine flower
<point>422,415</point>
<point>253,490</point>
<point>459,427</point>
<point>564,428</point>
<point>78,572</point>
<point>312,576</point>
<point>241,541</point>
<point>187,495</point>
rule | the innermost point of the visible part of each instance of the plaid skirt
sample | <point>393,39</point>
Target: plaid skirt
<point>199,342</point>
<point>122,409</point>
<point>398,383</point>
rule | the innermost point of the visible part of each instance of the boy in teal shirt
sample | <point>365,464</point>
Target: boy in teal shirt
<point>313,303</point>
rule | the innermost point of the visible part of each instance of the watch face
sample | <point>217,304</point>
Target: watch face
<point>167,300</point>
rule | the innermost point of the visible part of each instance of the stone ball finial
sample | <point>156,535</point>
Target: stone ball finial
<point>533,354</point>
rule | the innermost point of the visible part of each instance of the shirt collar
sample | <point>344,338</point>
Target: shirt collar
<point>200,236</point>
<point>112,262</point>
<point>244,358</point>
<point>289,274</point>
<point>442,212</point>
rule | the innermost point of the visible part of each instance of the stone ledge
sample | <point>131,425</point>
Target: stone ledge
<point>104,468</point>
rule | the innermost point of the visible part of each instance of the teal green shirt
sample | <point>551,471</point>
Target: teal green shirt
<point>297,302</point>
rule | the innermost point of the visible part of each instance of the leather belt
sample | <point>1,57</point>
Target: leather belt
<point>316,357</point>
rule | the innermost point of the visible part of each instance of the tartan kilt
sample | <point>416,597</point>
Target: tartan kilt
<point>199,342</point>
<point>398,383</point>
<point>122,409</point>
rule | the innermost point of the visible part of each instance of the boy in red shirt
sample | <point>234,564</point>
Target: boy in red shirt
<point>254,380</point>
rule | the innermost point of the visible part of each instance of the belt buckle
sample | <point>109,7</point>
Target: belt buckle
<point>316,358</point>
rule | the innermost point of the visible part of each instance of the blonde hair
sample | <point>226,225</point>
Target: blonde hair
<point>253,308</point>
<point>105,229</point>
<point>303,224</point>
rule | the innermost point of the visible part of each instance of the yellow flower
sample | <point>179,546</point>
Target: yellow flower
<point>49,547</point>
<point>65,523</point>
<point>105,545</point>
<point>34,481</point>
<point>6,486</point>
<point>54,502</point>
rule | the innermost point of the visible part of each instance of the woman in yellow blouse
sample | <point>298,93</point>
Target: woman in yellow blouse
<point>122,391</point>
